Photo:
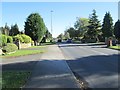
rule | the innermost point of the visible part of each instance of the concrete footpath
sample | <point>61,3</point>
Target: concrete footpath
<point>52,71</point>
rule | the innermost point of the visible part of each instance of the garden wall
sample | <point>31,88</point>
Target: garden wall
<point>0,51</point>
<point>24,45</point>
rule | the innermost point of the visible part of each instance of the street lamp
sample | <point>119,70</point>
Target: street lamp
<point>51,23</point>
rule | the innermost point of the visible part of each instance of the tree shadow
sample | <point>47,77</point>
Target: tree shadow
<point>98,67</point>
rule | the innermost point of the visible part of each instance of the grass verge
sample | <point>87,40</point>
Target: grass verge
<point>115,47</point>
<point>28,51</point>
<point>14,79</point>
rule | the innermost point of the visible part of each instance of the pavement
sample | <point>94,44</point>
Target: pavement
<point>52,71</point>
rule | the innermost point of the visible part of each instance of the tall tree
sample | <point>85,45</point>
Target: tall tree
<point>5,30</point>
<point>35,27</point>
<point>67,35</point>
<point>94,26</point>
<point>14,30</point>
<point>61,36</point>
<point>117,29</point>
<point>107,26</point>
<point>81,25</point>
<point>71,31</point>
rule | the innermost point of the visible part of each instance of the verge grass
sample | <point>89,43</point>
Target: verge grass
<point>14,79</point>
<point>115,47</point>
<point>28,51</point>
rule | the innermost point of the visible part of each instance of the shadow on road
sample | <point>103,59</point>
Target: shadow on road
<point>88,67</point>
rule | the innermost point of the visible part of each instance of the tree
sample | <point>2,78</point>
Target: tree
<point>117,29</point>
<point>14,30</point>
<point>35,27</point>
<point>107,26</point>
<point>67,35</point>
<point>71,31</point>
<point>61,36</point>
<point>94,26</point>
<point>81,25</point>
<point>5,30</point>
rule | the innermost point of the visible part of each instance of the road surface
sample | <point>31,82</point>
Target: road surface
<point>94,64</point>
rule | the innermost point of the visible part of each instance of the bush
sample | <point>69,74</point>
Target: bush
<point>26,38</point>
<point>10,47</point>
<point>9,39</point>
<point>4,40</point>
<point>18,37</point>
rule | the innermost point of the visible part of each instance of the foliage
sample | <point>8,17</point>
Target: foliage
<point>26,38</point>
<point>9,39</point>
<point>107,26</point>
<point>94,26</point>
<point>4,40</point>
<point>117,29</point>
<point>61,36</point>
<point>67,35</point>
<point>22,38</point>
<point>35,27</point>
<point>81,25</point>
<point>5,30</point>
<point>71,31</point>
<point>18,37</point>
<point>14,30</point>
<point>10,47</point>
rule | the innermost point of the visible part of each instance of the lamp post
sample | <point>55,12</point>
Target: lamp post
<point>51,23</point>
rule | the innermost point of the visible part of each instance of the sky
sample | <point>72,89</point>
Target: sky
<point>63,16</point>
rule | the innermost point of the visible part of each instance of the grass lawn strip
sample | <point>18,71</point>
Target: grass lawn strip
<point>115,47</point>
<point>14,79</point>
<point>23,52</point>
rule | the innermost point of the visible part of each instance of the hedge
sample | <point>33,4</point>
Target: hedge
<point>22,38</point>
<point>10,47</point>
<point>9,39</point>
<point>4,40</point>
<point>18,37</point>
<point>26,38</point>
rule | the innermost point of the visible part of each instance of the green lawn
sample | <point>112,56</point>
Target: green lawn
<point>14,79</point>
<point>27,51</point>
<point>115,47</point>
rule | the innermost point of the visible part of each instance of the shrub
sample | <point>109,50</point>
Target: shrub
<point>26,38</point>
<point>10,47</point>
<point>4,40</point>
<point>9,39</point>
<point>18,37</point>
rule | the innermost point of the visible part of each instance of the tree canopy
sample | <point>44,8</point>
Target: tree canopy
<point>117,29</point>
<point>35,27</point>
<point>94,26</point>
<point>107,26</point>
<point>14,30</point>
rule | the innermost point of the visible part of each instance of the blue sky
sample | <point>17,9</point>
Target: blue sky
<point>64,13</point>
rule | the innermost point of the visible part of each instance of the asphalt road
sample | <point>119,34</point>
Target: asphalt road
<point>94,64</point>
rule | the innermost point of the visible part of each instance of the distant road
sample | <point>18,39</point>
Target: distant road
<point>97,65</point>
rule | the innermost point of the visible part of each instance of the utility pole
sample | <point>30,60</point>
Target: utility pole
<point>51,23</point>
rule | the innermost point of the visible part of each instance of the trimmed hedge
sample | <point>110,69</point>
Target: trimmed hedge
<point>26,38</point>
<point>22,38</point>
<point>10,47</point>
<point>18,37</point>
<point>4,40</point>
<point>9,39</point>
